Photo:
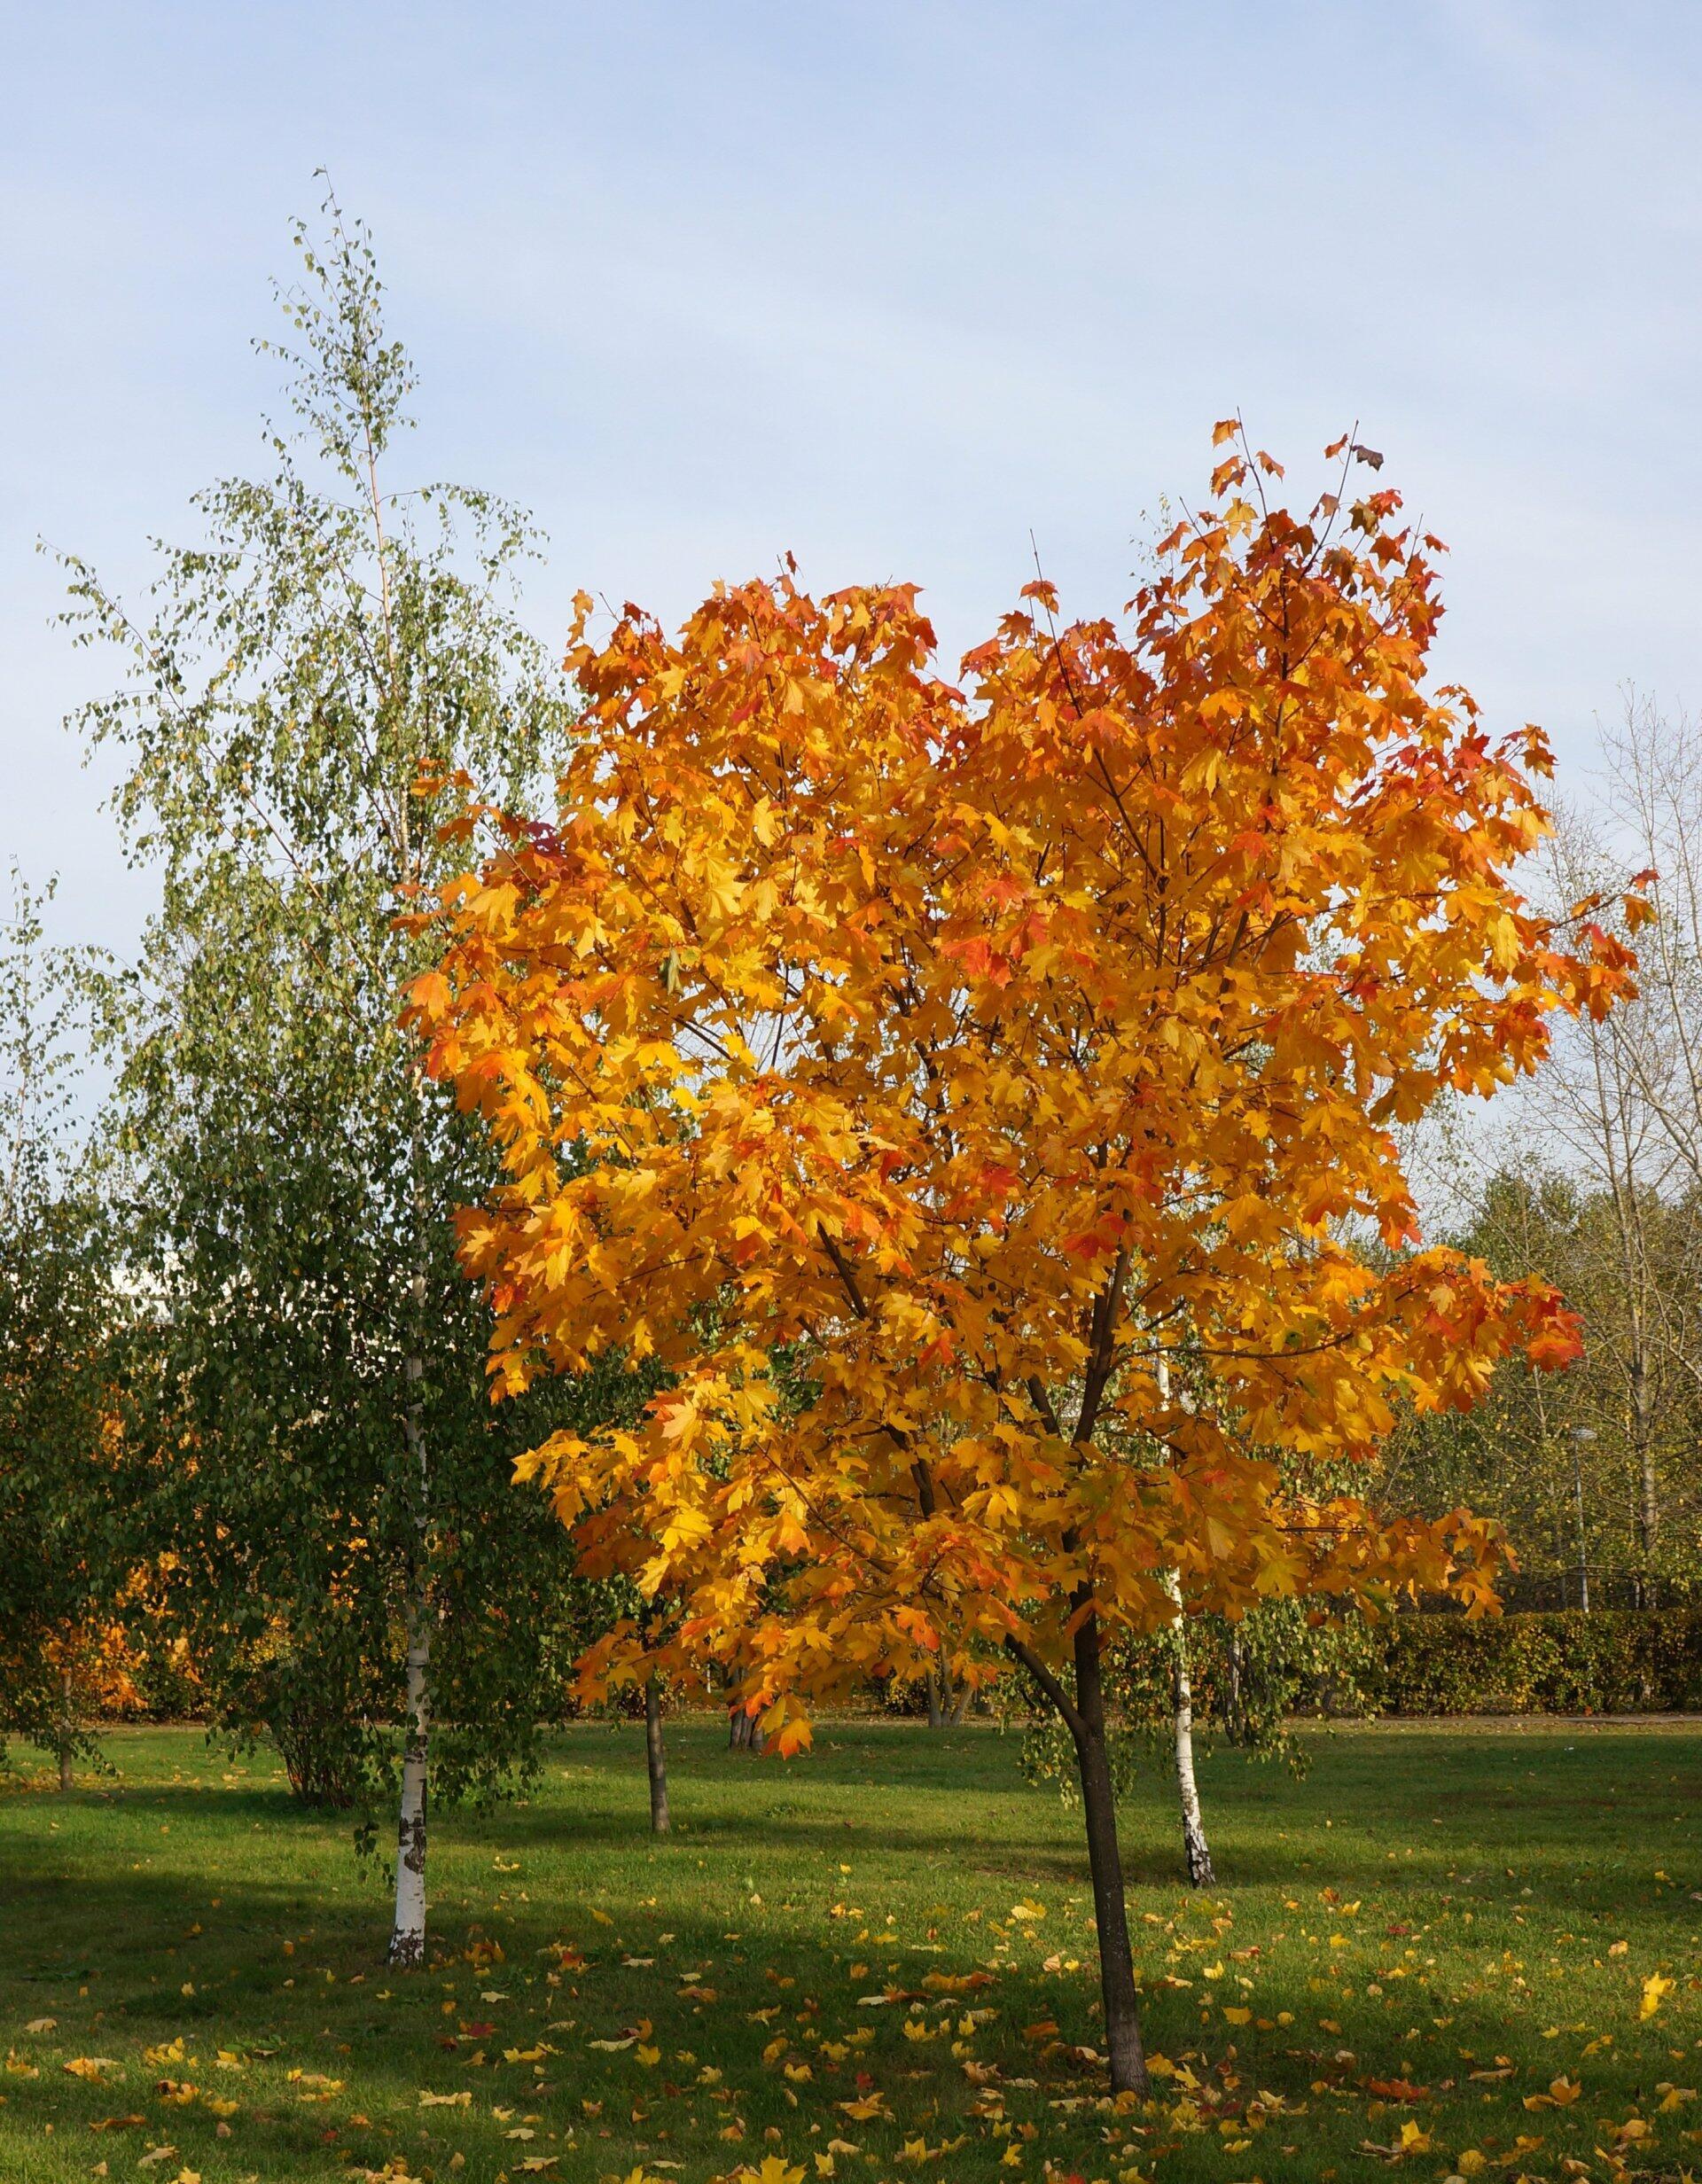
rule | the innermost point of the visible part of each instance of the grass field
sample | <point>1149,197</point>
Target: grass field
<point>872,1963</point>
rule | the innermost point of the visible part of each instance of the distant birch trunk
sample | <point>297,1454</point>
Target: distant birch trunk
<point>67,1729</point>
<point>655,1756</point>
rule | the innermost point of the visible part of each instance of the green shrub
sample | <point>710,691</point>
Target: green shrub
<point>1618,1661</point>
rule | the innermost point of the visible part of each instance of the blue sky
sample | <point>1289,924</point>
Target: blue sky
<point>886,286</point>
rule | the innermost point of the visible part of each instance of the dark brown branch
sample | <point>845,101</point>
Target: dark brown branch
<point>1102,1353</point>
<point>843,1268</point>
<point>1048,1682</point>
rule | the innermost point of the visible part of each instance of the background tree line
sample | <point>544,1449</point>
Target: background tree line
<point>1595,1178</point>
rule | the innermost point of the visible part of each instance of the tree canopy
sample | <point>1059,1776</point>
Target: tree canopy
<point>979,1100</point>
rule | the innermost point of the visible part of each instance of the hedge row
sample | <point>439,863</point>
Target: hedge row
<point>1615,1661</point>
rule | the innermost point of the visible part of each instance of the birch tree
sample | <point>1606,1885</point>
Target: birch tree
<point>346,1551</point>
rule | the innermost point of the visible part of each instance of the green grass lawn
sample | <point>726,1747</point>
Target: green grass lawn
<point>874,1963</point>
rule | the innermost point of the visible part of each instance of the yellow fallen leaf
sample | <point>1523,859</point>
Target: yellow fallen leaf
<point>1239,2016</point>
<point>1654,1988</point>
<point>445,2099</point>
<point>41,2025</point>
<point>92,2066</point>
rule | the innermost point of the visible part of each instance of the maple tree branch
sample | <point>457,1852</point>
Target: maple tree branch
<point>1042,1403</point>
<point>1102,1353</point>
<point>1048,1682</point>
<point>842,1268</point>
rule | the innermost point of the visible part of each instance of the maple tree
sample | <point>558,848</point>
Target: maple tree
<point>979,1104</point>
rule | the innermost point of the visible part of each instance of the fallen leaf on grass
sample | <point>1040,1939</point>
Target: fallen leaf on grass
<point>1413,2140</point>
<point>445,2099</point>
<point>1654,1989</point>
<point>41,2025</point>
<point>92,2066</point>
<point>867,2109</point>
<point>119,2123</point>
<point>957,1982</point>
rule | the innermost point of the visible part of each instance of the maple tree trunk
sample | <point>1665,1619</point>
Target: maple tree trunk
<point>655,1757</point>
<point>743,1732</point>
<point>936,1701</point>
<point>67,1727</point>
<point>1195,1848</point>
<point>959,1713</point>
<point>1105,1861</point>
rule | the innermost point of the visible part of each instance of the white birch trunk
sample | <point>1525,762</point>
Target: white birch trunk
<point>407,1931</point>
<point>1195,1848</point>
